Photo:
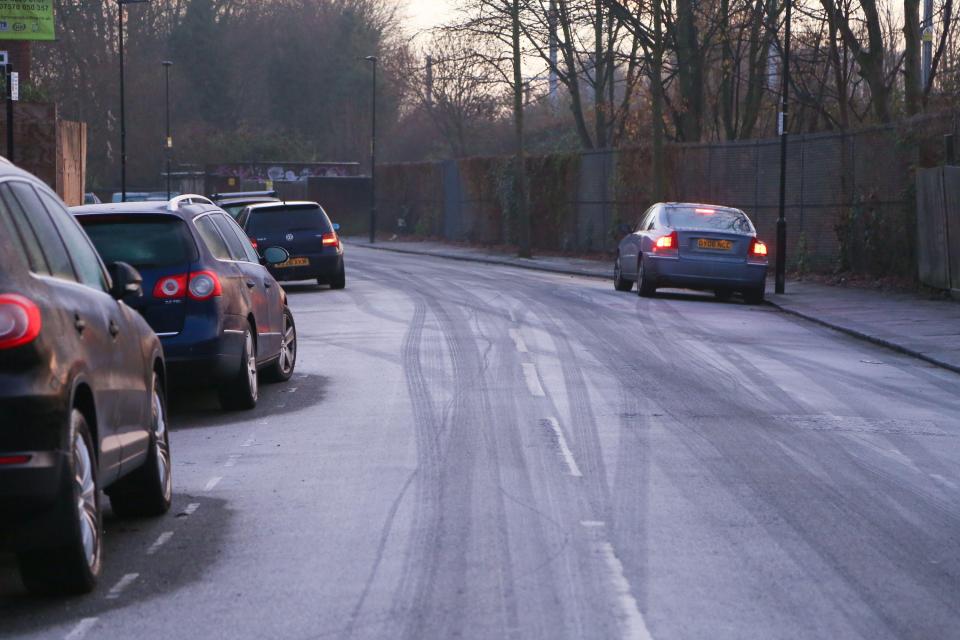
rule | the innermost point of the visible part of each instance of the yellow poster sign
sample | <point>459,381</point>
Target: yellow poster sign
<point>26,20</point>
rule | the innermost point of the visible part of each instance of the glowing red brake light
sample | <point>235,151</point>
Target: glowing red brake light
<point>253,241</point>
<point>204,285</point>
<point>330,239</point>
<point>20,321</point>
<point>11,460</point>
<point>667,244</point>
<point>758,249</point>
<point>171,287</point>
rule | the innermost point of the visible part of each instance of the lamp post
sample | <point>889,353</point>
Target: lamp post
<point>782,122</point>
<point>123,106</point>
<point>168,142</point>
<point>373,154</point>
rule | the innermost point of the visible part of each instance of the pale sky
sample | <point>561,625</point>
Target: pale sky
<point>423,14</point>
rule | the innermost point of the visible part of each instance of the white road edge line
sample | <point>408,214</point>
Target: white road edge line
<point>593,523</point>
<point>191,508</point>
<point>634,626</point>
<point>162,539</point>
<point>232,460</point>
<point>533,379</point>
<point>249,442</point>
<point>564,449</point>
<point>213,482</point>
<point>119,588</point>
<point>518,340</point>
<point>82,629</point>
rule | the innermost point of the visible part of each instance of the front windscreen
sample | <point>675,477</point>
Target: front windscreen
<point>144,242</point>
<point>707,218</point>
<point>266,222</point>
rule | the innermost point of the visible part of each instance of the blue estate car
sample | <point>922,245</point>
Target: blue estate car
<point>694,246</point>
<point>219,313</point>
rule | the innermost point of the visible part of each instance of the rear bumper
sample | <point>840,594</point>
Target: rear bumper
<point>30,497</point>
<point>704,274</point>
<point>322,266</point>
<point>206,352</point>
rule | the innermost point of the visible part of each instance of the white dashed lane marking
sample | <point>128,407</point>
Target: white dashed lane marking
<point>163,539</point>
<point>121,586</point>
<point>213,482</point>
<point>533,379</point>
<point>80,631</point>
<point>572,466</point>
<point>191,508</point>
<point>518,341</point>
<point>232,460</point>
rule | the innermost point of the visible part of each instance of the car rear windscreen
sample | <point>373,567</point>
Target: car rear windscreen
<point>707,218</point>
<point>267,222</point>
<point>145,242</point>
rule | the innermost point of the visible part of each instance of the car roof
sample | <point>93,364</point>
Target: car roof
<point>283,204</point>
<point>700,205</point>
<point>184,211</point>
<point>246,200</point>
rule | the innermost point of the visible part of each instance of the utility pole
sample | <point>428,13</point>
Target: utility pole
<point>783,122</point>
<point>554,78</point>
<point>926,34</point>
<point>168,142</point>
<point>373,154</point>
<point>429,81</point>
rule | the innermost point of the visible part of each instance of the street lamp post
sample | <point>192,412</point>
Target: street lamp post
<point>373,154</point>
<point>123,106</point>
<point>782,122</point>
<point>168,142</point>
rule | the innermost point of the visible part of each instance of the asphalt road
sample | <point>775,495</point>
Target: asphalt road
<point>470,451</point>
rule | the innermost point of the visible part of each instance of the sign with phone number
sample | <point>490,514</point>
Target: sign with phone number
<point>26,20</point>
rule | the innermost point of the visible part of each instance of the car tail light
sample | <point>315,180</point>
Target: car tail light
<point>171,287</point>
<point>204,285</point>
<point>330,239</point>
<point>758,250</point>
<point>667,244</point>
<point>12,460</point>
<point>20,321</point>
<point>253,241</point>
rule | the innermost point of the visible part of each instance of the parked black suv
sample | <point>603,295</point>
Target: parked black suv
<point>82,392</point>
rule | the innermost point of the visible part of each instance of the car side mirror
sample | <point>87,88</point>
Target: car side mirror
<point>275,255</point>
<point>336,227</point>
<point>127,281</point>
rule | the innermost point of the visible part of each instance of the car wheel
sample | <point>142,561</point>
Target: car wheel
<point>723,294</point>
<point>754,296</point>
<point>339,281</point>
<point>282,369</point>
<point>148,491</point>
<point>619,283</point>
<point>241,392</point>
<point>645,285</point>
<point>75,567</point>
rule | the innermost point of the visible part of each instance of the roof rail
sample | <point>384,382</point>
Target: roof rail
<point>187,198</point>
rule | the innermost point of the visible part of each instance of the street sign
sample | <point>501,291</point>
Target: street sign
<point>14,86</point>
<point>22,20</point>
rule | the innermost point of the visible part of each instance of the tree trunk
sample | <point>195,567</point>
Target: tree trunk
<point>913,92</point>
<point>520,161</point>
<point>690,73</point>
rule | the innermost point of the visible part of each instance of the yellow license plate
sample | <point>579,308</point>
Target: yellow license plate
<point>294,262</point>
<point>721,245</point>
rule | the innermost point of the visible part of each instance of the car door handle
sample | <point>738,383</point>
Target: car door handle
<point>114,329</point>
<point>251,284</point>
<point>80,324</point>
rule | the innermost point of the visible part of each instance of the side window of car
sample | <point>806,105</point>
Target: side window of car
<point>86,261</point>
<point>230,229</point>
<point>233,243</point>
<point>212,238</point>
<point>15,226</point>
<point>47,235</point>
<point>652,222</point>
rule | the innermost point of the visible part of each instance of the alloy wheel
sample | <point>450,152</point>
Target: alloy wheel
<point>251,366</point>
<point>87,509</point>
<point>288,346</point>
<point>161,443</point>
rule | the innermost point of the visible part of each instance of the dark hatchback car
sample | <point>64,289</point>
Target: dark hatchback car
<point>220,315</point>
<point>235,202</point>
<point>82,392</point>
<point>305,231</point>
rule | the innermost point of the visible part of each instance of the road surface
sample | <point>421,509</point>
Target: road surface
<point>470,451</point>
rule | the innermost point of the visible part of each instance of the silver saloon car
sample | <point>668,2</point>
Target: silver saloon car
<point>693,246</point>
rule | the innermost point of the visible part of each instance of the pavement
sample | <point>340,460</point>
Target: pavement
<point>483,452</point>
<point>909,323</point>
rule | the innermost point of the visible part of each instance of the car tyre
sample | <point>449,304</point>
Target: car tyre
<point>723,294</point>
<point>646,287</point>
<point>241,392</point>
<point>75,567</point>
<point>754,296</point>
<point>619,282</point>
<point>339,281</point>
<point>148,491</point>
<point>282,369</point>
